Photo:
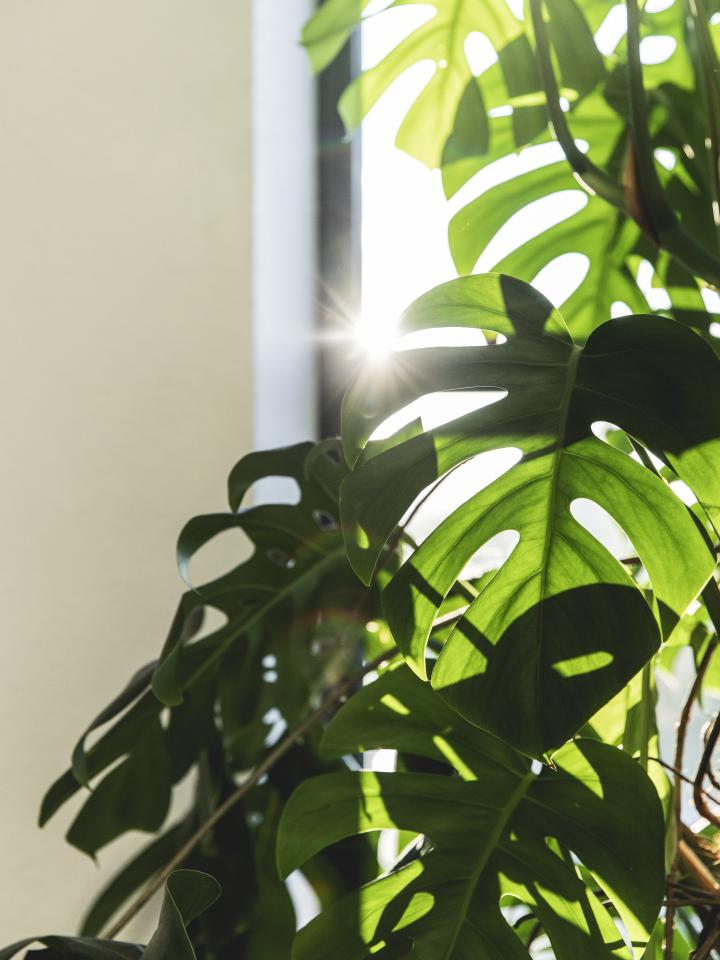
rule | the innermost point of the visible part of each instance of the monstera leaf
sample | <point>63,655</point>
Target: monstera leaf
<point>295,546</point>
<point>598,230</point>
<point>562,626</point>
<point>188,893</point>
<point>274,603</point>
<point>595,231</point>
<point>462,122</point>
<point>453,101</point>
<point>605,234</point>
<point>497,833</point>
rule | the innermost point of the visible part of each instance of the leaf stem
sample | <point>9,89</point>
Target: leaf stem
<point>595,180</point>
<point>333,696</point>
<point>677,796</point>
<point>706,72</point>
<point>685,779</point>
<point>699,795</point>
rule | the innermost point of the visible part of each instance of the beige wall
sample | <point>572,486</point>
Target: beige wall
<point>125,381</point>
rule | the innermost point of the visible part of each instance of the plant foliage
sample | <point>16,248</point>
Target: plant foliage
<point>349,685</point>
<point>495,831</point>
<point>545,643</point>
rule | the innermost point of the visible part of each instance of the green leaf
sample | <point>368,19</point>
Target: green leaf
<point>327,32</point>
<point>75,948</point>
<point>272,604</point>
<point>188,893</point>
<point>371,721</point>
<point>295,547</point>
<point>272,928</point>
<point>545,643</point>
<point>113,744</point>
<point>486,839</point>
<point>431,119</point>
<point>132,691</point>
<point>135,795</point>
<point>592,231</point>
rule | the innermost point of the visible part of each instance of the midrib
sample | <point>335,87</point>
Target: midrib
<point>258,615</point>
<point>563,411</point>
<point>492,841</point>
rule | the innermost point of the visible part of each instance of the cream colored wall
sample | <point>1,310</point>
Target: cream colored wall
<point>125,304</point>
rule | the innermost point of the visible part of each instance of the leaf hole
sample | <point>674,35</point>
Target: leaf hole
<point>532,220</point>
<point>220,555</point>
<point>657,49</point>
<point>612,435</point>
<point>479,53</point>
<point>436,409</point>
<point>275,720</point>
<point>603,527</point>
<point>619,309</point>
<point>559,279</point>
<point>324,520</point>
<point>456,488</point>
<point>305,900</point>
<point>666,158</point>
<point>444,337</point>
<point>280,558</point>
<point>491,555</point>
<point>611,31</point>
<point>503,111</point>
<point>274,489</point>
<point>213,620</point>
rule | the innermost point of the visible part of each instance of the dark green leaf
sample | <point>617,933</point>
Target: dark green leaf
<point>188,893</point>
<point>546,642</point>
<point>487,836</point>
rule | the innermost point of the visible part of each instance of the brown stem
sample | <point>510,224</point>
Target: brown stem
<point>333,695</point>
<point>707,947</point>
<point>694,865</point>
<point>698,792</point>
<point>678,764</point>
<point>683,777</point>
<point>712,778</point>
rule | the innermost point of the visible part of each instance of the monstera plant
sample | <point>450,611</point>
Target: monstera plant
<point>458,747</point>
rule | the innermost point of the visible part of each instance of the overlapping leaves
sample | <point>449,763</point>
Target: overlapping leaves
<point>562,626</point>
<point>462,122</point>
<point>273,604</point>
<point>188,894</point>
<point>293,621</point>
<point>495,834</point>
<point>452,91</point>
